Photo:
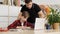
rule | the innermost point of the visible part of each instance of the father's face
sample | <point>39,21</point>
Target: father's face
<point>29,5</point>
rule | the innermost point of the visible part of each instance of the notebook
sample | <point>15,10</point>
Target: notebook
<point>40,23</point>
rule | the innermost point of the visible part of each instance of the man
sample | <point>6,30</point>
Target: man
<point>33,10</point>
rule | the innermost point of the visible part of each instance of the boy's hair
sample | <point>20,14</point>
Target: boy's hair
<point>28,1</point>
<point>25,14</point>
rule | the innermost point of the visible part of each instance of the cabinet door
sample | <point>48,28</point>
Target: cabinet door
<point>3,10</point>
<point>13,13</point>
<point>3,15</point>
<point>13,10</point>
<point>4,21</point>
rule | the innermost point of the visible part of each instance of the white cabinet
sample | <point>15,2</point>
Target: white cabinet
<point>1,0</point>
<point>13,11</point>
<point>8,14</point>
<point>3,15</point>
<point>3,10</point>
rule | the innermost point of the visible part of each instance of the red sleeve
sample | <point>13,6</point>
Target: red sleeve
<point>13,25</point>
<point>30,25</point>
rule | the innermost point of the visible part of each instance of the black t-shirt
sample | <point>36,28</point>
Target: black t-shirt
<point>33,12</point>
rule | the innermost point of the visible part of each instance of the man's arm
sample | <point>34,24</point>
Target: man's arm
<point>41,15</point>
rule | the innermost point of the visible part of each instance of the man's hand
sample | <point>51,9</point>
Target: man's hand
<point>41,15</point>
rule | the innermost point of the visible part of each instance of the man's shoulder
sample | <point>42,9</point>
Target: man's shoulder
<point>24,6</point>
<point>35,4</point>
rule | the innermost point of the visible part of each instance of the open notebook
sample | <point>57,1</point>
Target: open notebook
<point>40,23</point>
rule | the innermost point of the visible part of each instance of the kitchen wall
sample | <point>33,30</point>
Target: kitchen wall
<point>47,1</point>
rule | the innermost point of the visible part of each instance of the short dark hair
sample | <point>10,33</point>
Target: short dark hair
<point>28,1</point>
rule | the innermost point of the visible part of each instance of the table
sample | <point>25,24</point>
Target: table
<point>31,32</point>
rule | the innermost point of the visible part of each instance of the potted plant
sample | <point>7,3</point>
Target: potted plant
<point>54,19</point>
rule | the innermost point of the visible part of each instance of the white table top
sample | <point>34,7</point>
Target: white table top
<point>31,32</point>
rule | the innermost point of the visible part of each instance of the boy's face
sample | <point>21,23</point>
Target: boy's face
<point>29,5</point>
